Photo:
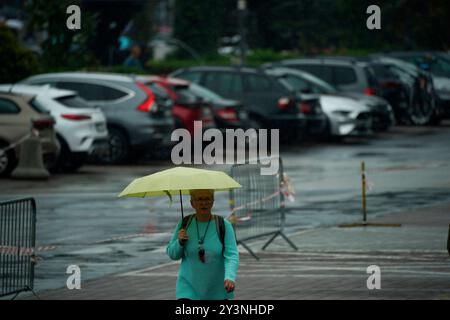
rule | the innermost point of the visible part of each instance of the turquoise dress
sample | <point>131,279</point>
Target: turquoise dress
<point>204,281</point>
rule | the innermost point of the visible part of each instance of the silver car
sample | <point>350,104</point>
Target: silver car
<point>346,116</point>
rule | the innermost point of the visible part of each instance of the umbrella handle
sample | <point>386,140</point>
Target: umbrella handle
<point>181,203</point>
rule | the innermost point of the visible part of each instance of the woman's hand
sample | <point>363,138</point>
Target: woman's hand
<point>229,285</point>
<point>182,237</point>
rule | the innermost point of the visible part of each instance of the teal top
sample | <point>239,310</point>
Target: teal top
<point>204,281</point>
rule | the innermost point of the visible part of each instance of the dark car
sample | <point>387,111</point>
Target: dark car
<point>423,105</point>
<point>269,103</point>
<point>136,124</point>
<point>187,106</point>
<point>347,116</point>
<point>227,113</point>
<point>438,64</point>
<point>352,77</point>
<point>409,89</point>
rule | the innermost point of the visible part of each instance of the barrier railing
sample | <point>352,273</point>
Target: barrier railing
<point>258,208</point>
<point>17,243</point>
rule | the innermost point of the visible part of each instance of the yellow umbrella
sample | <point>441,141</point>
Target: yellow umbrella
<point>178,180</point>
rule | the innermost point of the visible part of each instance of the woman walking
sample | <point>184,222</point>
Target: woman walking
<point>207,247</point>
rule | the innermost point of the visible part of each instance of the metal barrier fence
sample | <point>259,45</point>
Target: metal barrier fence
<point>258,206</point>
<point>17,242</point>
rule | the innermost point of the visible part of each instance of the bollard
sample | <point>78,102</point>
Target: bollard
<point>30,164</point>
<point>363,182</point>
<point>448,240</point>
<point>364,223</point>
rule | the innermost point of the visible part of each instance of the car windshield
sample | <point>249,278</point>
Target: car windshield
<point>438,66</point>
<point>406,67</point>
<point>382,71</point>
<point>306,82</point>
<point>328,88</point>
<point>205,93</point>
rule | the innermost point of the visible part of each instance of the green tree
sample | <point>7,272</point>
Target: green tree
<point>198,23</point>
<point>63,48</point>
<point>16,62</point>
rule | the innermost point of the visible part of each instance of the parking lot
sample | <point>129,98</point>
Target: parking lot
<point>81,221</point>
<point>354,99</point>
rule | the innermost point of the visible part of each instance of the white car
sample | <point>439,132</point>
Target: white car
<point>346,116</point>
<point>81,129</point>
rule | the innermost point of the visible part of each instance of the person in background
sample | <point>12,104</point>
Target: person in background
<point>133,60</point>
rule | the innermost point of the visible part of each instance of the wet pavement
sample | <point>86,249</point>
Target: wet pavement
<point>331,263</point>
<point>80,216</point>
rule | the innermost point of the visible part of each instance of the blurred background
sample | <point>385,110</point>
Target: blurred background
<point>175,33</point>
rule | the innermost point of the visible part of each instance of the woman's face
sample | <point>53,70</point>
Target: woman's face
<point>202,201</point>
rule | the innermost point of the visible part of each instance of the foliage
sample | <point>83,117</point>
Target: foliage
<point>62,47</point>
<point>317,26</point>
<point>17,62</point>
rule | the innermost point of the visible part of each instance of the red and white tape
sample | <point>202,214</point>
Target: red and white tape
<point>255,202</point>
<point>24,251</point>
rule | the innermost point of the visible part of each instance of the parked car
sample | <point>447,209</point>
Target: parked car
<point>421,93</point>
<point>80,129</point>
<point>187,107</point>
<point>136,124</point>
<point>227,113</point>
<point>346,116</point>
<point>19,114</point>
<point>269,103</point>
<point>353,78</point>
<point>438,64</point>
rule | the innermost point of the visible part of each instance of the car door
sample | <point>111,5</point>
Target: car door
<point>262,94</point>
<point>14,122</point>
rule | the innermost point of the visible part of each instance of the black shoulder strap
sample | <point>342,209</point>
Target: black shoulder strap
<point>186,221</point>
<point>220,226</point>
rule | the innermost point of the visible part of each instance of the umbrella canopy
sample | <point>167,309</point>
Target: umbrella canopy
<point>179,180</point>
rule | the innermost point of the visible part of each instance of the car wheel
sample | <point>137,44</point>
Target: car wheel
<point>75,162</point>
<point>61,160</point>
<point>119,147</point>
<point>423,107</point>
<point>73,166</point>
<point>8,160</point>
<point>435,120</point>
<point>402,114</point>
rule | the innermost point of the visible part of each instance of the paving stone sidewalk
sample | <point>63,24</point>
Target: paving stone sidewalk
<point>331,263</point>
